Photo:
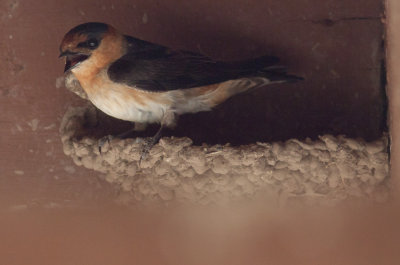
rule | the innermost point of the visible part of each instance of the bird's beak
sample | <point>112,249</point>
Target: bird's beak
<point>67,60</point>
<point>72,59</point>
<point>67,65</point>
<point>64,53</point>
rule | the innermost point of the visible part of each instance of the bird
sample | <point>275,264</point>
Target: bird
<point>139,81</point>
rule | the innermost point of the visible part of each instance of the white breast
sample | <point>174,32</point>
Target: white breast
<point>120,105</point>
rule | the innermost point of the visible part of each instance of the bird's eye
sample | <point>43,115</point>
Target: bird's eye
<point>92,43</point>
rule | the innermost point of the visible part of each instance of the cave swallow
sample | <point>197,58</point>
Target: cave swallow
<point>139,81</point>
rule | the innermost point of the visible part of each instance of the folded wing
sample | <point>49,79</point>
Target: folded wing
<point>156,68</point>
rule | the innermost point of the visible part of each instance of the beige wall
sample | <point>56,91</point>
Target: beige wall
<point>53,212</point>
<point>336,46</point>
<point>393,62</point>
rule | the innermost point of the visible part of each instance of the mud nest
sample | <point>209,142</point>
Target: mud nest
<point>326,170</point>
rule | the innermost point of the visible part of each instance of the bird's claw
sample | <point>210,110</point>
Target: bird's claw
<point>103,140</point>
<point>147,145</point>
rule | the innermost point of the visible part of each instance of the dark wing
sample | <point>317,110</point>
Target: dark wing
<point>153,67</point>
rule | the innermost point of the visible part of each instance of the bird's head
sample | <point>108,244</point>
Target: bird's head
<point>96,41</point>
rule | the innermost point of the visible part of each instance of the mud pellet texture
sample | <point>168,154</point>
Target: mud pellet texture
<point>327,170</point>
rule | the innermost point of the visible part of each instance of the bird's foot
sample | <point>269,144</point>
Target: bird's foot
<point>108,138</point>
<point>147,145</point>
<point>103,140</point>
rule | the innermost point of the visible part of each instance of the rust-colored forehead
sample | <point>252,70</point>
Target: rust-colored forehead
<point>70,41</point>
<point>81,33</point>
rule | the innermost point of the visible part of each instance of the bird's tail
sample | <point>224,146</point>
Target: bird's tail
<point>265,66</point>
<point>251,74</point>
<point>263,77</point>
<point>247,75</point>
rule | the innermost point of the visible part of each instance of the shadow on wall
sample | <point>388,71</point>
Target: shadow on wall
<point>266,115</point>
<point>342,92</point>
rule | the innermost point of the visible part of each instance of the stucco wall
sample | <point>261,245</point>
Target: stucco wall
<point>53,211</point>
<point>336,46</point>
<point>393,62</point>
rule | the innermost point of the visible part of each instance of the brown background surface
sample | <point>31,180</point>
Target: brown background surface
<point>335,44</point>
